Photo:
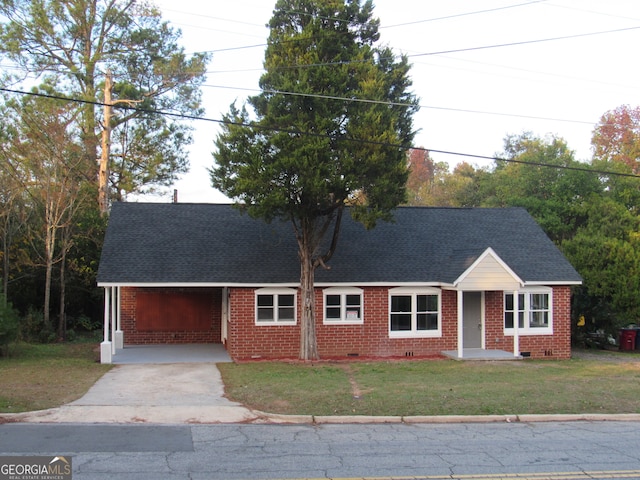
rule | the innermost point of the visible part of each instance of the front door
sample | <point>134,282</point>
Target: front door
<point>472,320</point>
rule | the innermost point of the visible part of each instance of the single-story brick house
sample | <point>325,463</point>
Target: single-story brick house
<point>434,280</point>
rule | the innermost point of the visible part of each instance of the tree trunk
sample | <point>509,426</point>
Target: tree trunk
<point>49,245</point>
<point>308,341</point>
<point>5,262</point>
<point>47,293</point>
<point>62,323</point>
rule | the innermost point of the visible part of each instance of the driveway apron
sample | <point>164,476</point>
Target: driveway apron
<point>151,393</point>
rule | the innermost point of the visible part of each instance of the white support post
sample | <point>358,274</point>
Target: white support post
<point>105,346</point>
<point>460,319</point>
<point>516,323</point>
<point>113,320</point>
<point>118,339</point>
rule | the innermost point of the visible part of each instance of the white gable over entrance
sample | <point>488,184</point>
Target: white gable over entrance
<point>488,272</point>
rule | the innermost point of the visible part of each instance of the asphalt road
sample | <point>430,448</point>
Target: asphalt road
<point>571,450</point>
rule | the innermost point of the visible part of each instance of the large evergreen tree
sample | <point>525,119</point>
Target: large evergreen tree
<point>331,128</point>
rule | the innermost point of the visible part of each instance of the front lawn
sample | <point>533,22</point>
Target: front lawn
<point>438,387</point>
<point>36,377</point>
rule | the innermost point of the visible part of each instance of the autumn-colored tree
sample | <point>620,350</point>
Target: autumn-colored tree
<point>616,137</point>
<point>421,174</point>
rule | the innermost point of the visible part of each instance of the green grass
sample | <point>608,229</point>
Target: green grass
<point>36,377</point>
<point>441,387</point>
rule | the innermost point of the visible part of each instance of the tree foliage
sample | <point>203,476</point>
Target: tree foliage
<point>542,175</point>
<point>44,157</point>
<point>592,216</point>
<point>616,137</point>
<point>309,147</point>
<point>51,233</point>
<point>77,42</point>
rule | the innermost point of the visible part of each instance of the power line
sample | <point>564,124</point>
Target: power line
<point>442,52</point>
<point>318,135</point>
<point>524,42</point>
<point>381,102</point>
<point>457,15</point>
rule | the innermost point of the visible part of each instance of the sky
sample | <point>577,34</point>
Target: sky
<point>482,69</point>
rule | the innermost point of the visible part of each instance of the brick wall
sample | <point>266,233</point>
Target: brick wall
<point>556,346</point>
<point>246,340</point>
<point>370,339</point>
<point>134,336</point>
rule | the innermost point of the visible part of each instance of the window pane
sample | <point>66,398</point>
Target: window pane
<point>508,305</point>
<point>539,319</point>
<point>265,315</point>
<point>521,319</point>
<point>422,303</point>
<point>285,313</point>
<point>427,321</point>
<point>508,319</point>
<point>333,300</point>
<point>432,303</point>
<point>265,300</point>
<point>400,322</point>
<point>353,313</point>
<point>333,313</point>
<point>353,300</point>
<point>401,303</point>
<point>539,301</point>
<point>285,300</point>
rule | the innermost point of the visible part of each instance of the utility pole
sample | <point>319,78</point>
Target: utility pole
<point>103,171</point>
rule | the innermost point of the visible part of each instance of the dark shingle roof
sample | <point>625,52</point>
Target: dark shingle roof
<point>212,243</point>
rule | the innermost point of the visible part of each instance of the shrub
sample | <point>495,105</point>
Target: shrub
<point>9,324</point>
<point>32,325</point>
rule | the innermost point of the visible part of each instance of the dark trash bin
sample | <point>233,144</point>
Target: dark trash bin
<point>628,339</point>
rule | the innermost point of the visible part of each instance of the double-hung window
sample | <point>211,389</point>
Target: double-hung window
<point>414,312</point>
<point>343,306</point>
<point>276,306</point>
<point>535,313</point>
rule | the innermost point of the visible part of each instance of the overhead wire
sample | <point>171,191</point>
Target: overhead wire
<point>399,104</point>
<point>441,53</point>
<point>318,135</point>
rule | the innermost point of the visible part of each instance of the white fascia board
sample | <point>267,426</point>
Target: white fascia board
<point>554,283</point>
<point>194,285</point>
<point>274,285</point>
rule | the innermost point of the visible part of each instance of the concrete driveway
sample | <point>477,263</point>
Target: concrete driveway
<point>153,393</point>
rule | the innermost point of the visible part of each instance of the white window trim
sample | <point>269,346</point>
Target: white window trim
<point>527,330</point>
<point>414,292</point>
<point>343,292</point>
<point>276,292</point>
